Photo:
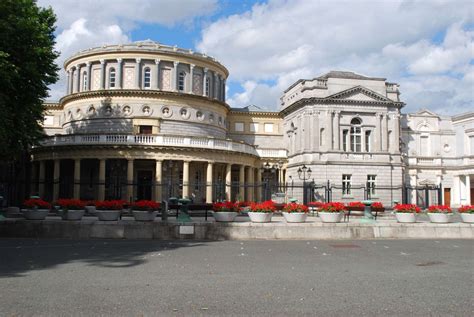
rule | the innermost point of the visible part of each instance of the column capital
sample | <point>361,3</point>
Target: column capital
<point>157,61</point>
<point>78,66</point>
<point>192,66</point>
<point>119,60</point>
<point>88,64</point>
<point>215,75</point>
<point>138,60</point>
<point>102,61</point>
<point>205,70</point>
<point>175,64</point>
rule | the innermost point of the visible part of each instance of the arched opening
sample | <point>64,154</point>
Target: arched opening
<point>356,135</point>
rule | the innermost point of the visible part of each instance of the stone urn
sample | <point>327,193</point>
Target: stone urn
<point>295,217</point>
<point>144,215</point>
<point>439,217</point>
<point>224,216</point>
<point>331,217</point>
<point>405,217</point>
<point>467,217</point>
<point>35,214</point>
<point>108,215</point>
<point>72,214</point>
<point>260,217</point>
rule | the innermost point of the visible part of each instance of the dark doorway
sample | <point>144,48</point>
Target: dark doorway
<point>145,129</point>
<point>144,183</point>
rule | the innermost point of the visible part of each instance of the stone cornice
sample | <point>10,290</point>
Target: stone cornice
<point>273,114</point>
<point>148,93</point>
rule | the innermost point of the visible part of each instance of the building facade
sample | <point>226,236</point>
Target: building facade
<point>149,121</point>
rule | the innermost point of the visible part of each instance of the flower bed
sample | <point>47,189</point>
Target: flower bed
<point>227,206</point>
<point>467,213</point>
<point>145,205</point>
<point>443,209</point>
<point>332,212</point>
<point>355,206</point>
<point>71,204</point>
<point>36,203</point>
<point>262,212</point>
<point>109,204</point>
<point>407,208</point>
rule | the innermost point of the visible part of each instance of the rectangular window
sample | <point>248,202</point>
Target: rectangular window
<point>371,185</point>
<point>345,134</point>
<point>48,120</point>
<point>367,141</point>
<point>321,137</point>
<point>269,127</point>
<point>145,129</point>
<point>253,127</point>
<point>239,127</point>
<point>346,184</point>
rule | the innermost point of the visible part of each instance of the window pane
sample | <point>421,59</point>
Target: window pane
<point>268,127</point>
<point>254,127</point>
<point>239,126</point>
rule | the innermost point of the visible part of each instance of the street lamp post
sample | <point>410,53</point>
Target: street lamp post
<point>306,173</point>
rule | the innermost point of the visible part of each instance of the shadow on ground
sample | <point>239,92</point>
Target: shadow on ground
<point>18,257</point>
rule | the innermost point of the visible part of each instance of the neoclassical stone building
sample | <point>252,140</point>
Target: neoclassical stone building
<point>149,121</point>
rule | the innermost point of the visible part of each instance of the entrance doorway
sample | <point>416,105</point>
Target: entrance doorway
<point>447,196</point>
<point>144,184</point>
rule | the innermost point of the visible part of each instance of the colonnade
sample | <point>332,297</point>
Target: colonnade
<point>80,77</point>
<point>249,179</point>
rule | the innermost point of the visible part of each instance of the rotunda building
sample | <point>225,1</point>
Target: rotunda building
<point>143,121</point>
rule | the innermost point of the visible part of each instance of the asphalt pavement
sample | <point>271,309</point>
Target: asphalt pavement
<point>236,278</point>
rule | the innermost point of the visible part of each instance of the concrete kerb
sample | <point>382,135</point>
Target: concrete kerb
<point>200,230</point>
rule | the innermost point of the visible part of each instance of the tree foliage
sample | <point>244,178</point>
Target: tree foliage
<point>27,67</point>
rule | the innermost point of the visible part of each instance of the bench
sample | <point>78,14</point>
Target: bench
<point>374,211</point>
<point>192,207</point>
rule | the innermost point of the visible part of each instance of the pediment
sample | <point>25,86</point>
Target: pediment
<point>359,93</point>
<point>425,113</point>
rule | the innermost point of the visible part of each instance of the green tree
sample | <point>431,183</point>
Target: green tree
<point>27,67</point>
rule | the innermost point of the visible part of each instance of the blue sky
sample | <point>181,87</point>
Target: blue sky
<point>425,46</point>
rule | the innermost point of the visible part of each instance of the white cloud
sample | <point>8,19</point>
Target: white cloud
<point>90,23</point>
<point>282,40</point>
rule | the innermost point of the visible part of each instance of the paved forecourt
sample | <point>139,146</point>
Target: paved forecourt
<point>242,229</point>
<point>236,278</point>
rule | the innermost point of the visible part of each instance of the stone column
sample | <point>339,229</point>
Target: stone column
<point>384,132</point>
<point>158,180</point>
<point>78,78</point>
<point>119,78</point>
<point>228,181</point>
<point>315,131</point>
<point>307,132</point>
<point>214,92</point>
<point>337,116</point>
<point>69,79</point>
<point>157,74</point>
<point>41,178</point>
<point>377,134</point>
<point>102,74</point>
<point>137,72</point>
<point>241,182</point>
<point>174,79</point>
<point>250,183</point>
<point>259,184</point>
<point>456,192</point>
<point>101,179</point>
<point>223,89</point>
<point>209,182</point>
<point>77,179</point>
<point>130,173</point>
<point>89,70</point>
<point>185,179</point>
<point>191,75</point>
<point>56,176</point>
<point>329,128</point>
<point>396,134</point>
<point>468,189</point>
<point>204,79</point>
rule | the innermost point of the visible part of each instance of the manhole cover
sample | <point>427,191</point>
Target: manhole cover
<point>345,246</point>
<point>431,263</point>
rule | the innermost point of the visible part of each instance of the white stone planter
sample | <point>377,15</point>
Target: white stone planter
<point>295,216</point>
<point>144,215</point>
<point>439,217</point>
<point>405,217</point>
<point>35,214</point>
<point>108,215</point>
<point>224,216</point>
<point>260,216</point>
<point>469,218</point>
<point>91,210</point>
<point>73,214</point>
<point>331,216</point>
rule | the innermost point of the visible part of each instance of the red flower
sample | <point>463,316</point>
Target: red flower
<point>356,204</point>
<point>315,204</point>
<point>377,204</point>
<point>109,204</point>
<point>294,207</point>
<point>266,206</point>
<point>332,207</point>
<point>226,206</point>
<point>146,205</point>
<point>71,204</point>
<point>408,208</point>
<point>439,209</point>
<point>469,209</point>
<point>36,203</point>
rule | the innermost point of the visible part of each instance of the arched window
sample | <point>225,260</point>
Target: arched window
<point>356,135</point>
<point>112,78</point>
<point>84,81</point>
<point>208,84</point>
<point>147,78</point>
<point>181,78</point>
